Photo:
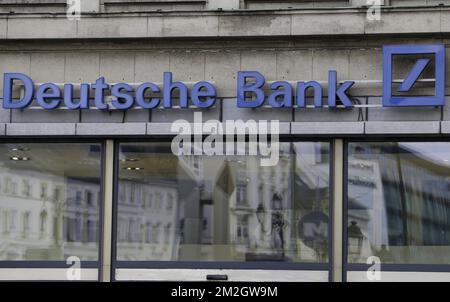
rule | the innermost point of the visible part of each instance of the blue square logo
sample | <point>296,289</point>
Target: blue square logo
<point>438,99</point>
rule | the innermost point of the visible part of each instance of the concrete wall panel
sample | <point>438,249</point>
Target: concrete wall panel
<point>339,23</point>
<point>221,67</point>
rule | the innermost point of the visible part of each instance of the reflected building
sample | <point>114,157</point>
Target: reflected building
<point>46,216</point>
<point>192,208</point>
<point>399,198</point>
<point>148,221</point>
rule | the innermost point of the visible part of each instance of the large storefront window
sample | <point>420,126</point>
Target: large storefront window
<point>49,201</point>
<point>399,202</point>
<point>222,208</point>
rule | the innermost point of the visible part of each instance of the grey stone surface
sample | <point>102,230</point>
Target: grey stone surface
<point>264,61</point>
<point>228,62</point>
<point>446,109</point>
<point>401,113</point>
<point>165,128</point>
<point>3,28</point>
<point>445,127</point>
<point>330,115</point>
<point>445,21</point>
<point>255,25</point>
<point>112,27</point>
<point>159,129</point>
<point>187,65</point>
<point>82,67</point>
<point>331,23</point>
<point>223,4</point>
<point>114,116</point>
<point>40,115</point>
<point>294,65</point>
<point>325,60</point>
<point>13,62</point>
<point>155,26</point>
<point>90,6</point>
<point>111,129</point>
<point>230,111</point>
<point>416,127</point>
<point>327,128</point>
<point>40,129</point>
<point>2,129</point>
<point>185,26</point>
<point>406,22</point>
<point>47,67</point>
<point>237,24</point>
<point>365,64</point>
<point>5,114</point>
<point>170,115</point>
<point>117,66</point>
<point>41,27</point>
<point>149,66</point>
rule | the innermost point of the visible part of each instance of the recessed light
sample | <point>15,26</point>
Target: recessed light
<point>19,149</point>
<point>19,158</point>
<point>129,160</point>
<point>133,168</point>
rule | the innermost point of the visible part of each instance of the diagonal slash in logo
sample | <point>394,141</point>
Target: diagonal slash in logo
<point>438,99</point>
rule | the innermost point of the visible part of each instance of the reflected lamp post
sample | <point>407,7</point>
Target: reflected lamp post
<point>260,215</point>
<point>278,220</point>
<point>355,239</point>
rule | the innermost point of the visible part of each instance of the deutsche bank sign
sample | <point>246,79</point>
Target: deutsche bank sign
<point>437,51</point>
<point>252,91</point>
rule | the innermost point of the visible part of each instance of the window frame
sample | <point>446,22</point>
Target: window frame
<point>387,267</point>
<point>254,265</point>
<point>63,263</point>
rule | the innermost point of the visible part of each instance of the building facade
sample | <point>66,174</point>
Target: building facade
<point>361,185</point>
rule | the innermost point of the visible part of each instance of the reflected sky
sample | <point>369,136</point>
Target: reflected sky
<point>437,152</point>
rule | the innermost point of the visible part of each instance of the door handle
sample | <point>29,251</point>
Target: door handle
<point>217,277</point>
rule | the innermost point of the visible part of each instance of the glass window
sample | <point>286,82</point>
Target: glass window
<point>399,202</point>
<point>224,208</point>
<point>40,220</point>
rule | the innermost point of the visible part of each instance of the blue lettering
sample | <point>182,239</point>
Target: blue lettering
<point>302,87</point>
<point>340,91</point>
<point>169,86</point>
<point>48,96</point>
<point>8,81</point>
<point>285,94</point>
<point>116,92</point>
<point>243,88</point>
<point>205,90</point>
<point>99,87</point>
<point>140,96</point>
<point>83,102</point>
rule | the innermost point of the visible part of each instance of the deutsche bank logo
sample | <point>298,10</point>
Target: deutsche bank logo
<point>389,98</point>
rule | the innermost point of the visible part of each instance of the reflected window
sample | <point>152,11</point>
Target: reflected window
<point>43,221</point>
<point>39,219</point>
<point>217,208</point>
<point>26,222</point>
<point>399,202</point>
<point>43,191</point>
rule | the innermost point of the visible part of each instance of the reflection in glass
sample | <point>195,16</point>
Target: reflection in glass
<point>49,206</point>
<point>399,201</point>
<point>222,208</point>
